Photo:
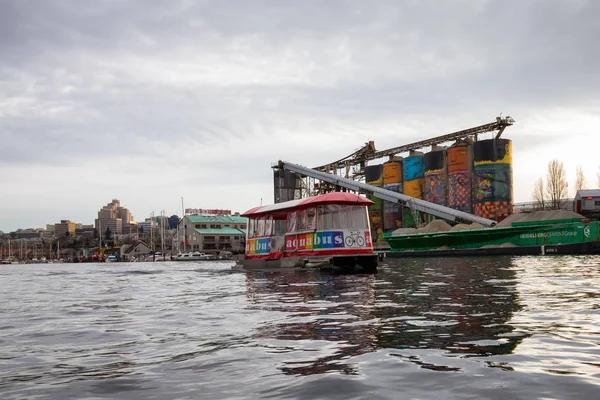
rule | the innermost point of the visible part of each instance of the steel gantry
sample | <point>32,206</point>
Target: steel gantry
<point>356,161</point>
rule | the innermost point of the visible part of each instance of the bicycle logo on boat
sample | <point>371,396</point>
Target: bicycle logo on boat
<point>354,239</point>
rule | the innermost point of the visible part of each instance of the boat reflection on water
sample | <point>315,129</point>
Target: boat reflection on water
<point>411,306</point>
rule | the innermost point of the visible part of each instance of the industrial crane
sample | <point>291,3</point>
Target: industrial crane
<point>360,157</point>
<point>295,181</point>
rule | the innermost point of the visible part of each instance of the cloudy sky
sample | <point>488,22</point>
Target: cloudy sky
<point>151,101</point>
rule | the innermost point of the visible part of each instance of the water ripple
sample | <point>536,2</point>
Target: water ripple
<point>522,327</point>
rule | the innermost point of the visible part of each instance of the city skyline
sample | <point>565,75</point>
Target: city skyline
<point>150,102</point>
<point>115,201</point>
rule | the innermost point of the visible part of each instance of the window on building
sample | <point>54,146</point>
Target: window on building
<point>597,203</point>
<point>203,226</point>
<point>215,227</point>
<point>243,226</point>
<point>197,226</point>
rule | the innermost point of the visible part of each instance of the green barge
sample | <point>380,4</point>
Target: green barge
<point>559,236</point>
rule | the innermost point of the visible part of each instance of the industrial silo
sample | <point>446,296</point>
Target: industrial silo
<point>392,180</point>
<point>460,176</point>
<point>436,177</point>
<point>492,179</point>
<point>374,177</point>
<point>413,176</point>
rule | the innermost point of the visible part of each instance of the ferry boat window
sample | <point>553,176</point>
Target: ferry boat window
<point>251,230</point>
<point>279,225</point>
<point>354,217</point>
<point>260,227</point>
<point>291,222</point>
<point>311,222</point>
<point>301,226</point>
<point>326,215</point>
<point>268,226</point>
<point>335,216</point>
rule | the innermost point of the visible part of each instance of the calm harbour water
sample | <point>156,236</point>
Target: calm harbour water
<point>468,328</point>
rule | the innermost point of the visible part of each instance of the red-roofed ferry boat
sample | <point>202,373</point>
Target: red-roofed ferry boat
<point>328,231</point>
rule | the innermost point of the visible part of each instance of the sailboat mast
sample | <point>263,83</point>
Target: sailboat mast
<point>184,226</point>
<point>152,233</point>
<point>162,232</point>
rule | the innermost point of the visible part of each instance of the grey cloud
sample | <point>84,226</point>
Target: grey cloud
<point>229,88</point>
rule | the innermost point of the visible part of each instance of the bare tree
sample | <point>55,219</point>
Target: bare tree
<point>539,195</point>
<point>580,179</point>
<point>556,183</point>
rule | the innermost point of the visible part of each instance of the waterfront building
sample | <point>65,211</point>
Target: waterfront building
<point>134,250</point>
<point>64,226</point>
<point>587,203</point>
<point>173,221</point>
<point>148,224</point>
<point>115,225</point>
<point>29,233</point>
<point>212,233</point>
<point>113,217</point>
<point>131,228</point>
<point>85,231</point>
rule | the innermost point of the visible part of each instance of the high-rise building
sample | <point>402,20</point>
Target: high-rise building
<point>63,227</point>
<point>112,216</point>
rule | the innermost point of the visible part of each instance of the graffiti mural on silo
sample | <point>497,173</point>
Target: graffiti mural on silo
<point>413,166</point>
<point>392,180</point>
<point>413,174</point>
<point>435,177</point>
<point>374,177</point>
<point>460,171</point>
<point>493,183</point>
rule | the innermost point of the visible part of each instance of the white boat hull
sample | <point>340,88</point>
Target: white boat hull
<point>195,257</point>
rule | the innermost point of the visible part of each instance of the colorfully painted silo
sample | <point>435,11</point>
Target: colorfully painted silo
<point>436,180</point>
<point>413,182</point>
<point>492,179</point>
<point>436,177</point>
<point>392,180</point>
<point>460,176</point>
<point>374,177</point>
